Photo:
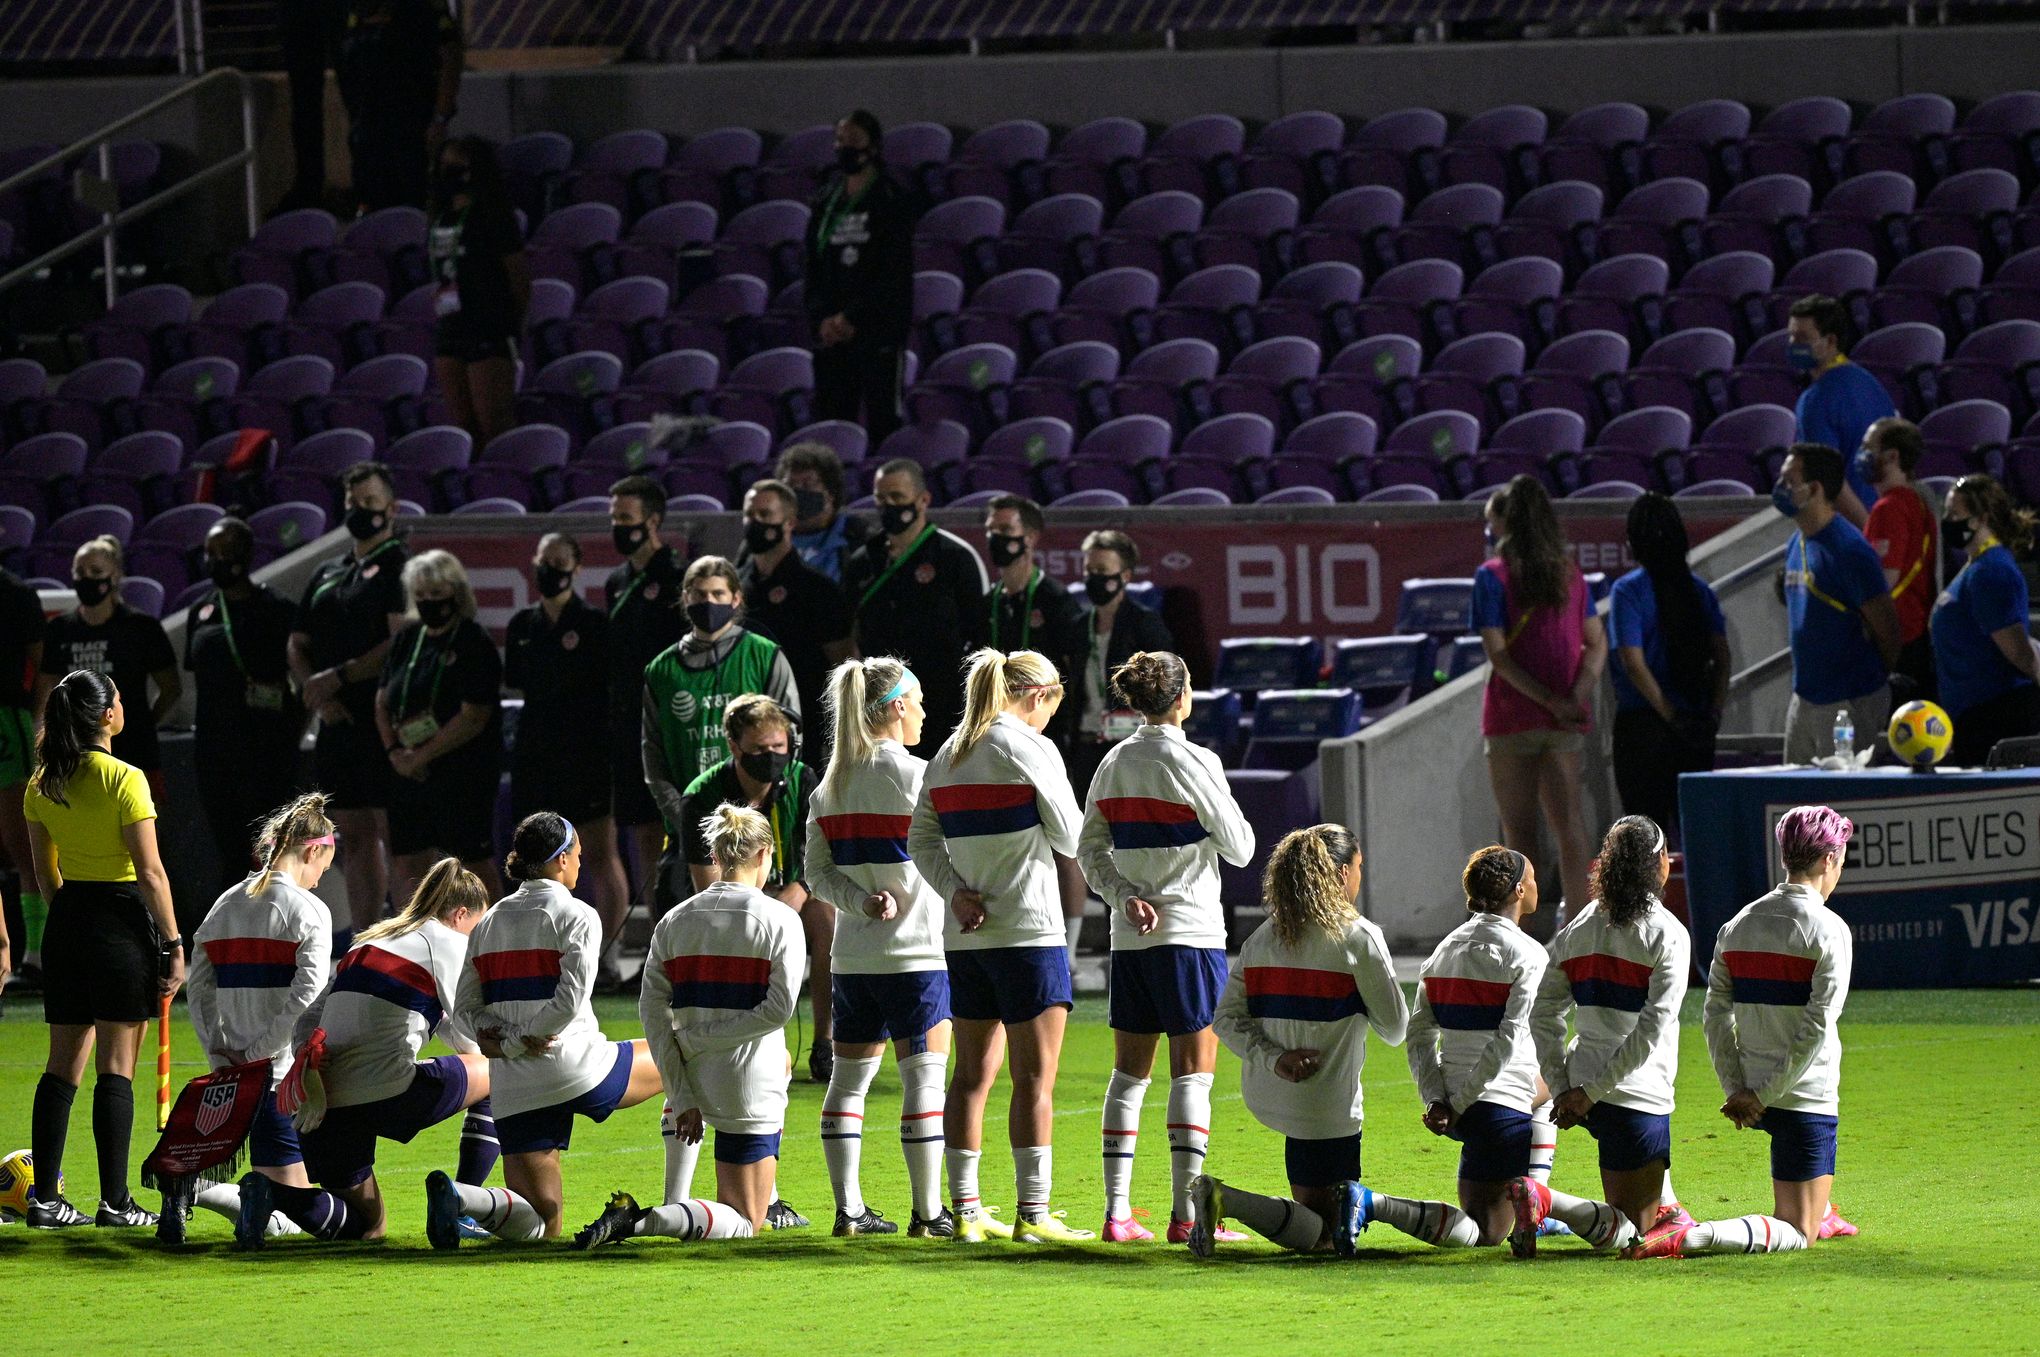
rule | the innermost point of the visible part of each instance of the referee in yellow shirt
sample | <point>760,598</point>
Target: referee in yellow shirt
<point>111,949</point>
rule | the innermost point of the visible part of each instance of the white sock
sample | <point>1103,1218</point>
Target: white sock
<point>963,1181</point>
<point>1033,1168</point>
<point>692,1220</point>
<point>681,1158</point>
<point>1667,1197</point>
<point>1288,1223</point>
<point>1189,1134</point>
<point>843,1128</point>
<point>220,1198</point>
<point>1121,1130</point>
<point>1744,1234</point>
<point>1075,929</point>
<point>1437,1223</point>
<point>501,1212</point>
<point>1543,1144</point>
<point>1596,1222</point>
<point>921,1128</point>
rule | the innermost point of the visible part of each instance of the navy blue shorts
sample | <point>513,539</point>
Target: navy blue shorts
<point>1802,1144</point>
<point>1494,1143</point>
<point>898,1007</point>
<point>1009,984</point>
<point>1630,1139</point>
<point>273,1139</point>
<point>735,1147</point>
<point>1173,990</point>
<point>341,1152</point>
<point>1322,1163</point>
<point>552,1128</point>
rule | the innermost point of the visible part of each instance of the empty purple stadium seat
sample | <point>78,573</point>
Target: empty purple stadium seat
<point>1891,135</point>
<point>1297,153</point>
<point>286,249</point>
<point>1898,356</point>
<point>1650,219</point>
<point>383,396</point>
<point>1261,378</point>
<point>1355,225</point>
<point>1755,215</point>
<point>1446,225</point>
<point>1400,300</point>
<point>2000,362</point>
<point>1398,150</point>
<point>1228,453</point>
<point>1569,369</point>
<point>764,241</point>
<point>138,322</point>
<point>1724,292</point>
<point>1613,295</point>
<point>1012,309</point>
<point>1692,141</point>
<point>712,166</point>
<point>714,317</point>
<point>337,323</point>
<point>1547,222</point>
<point>1313,302</point>
<point>1803,136</point>
<point>1420,451</point>
<point>612,171</point>
<point>523,464</point>
<point>660,236</point>
<point>1254,228</point>
<point>1673,371</point>
<point>562,391</point>
<point>1628,447</point>
<point>90,401</point>
<point>1192,155</point>
<point>666,384</point>
<point>386,248</point>
<point>1124,455</point>
<point>135,472</point>
<point>1733,446</point>
<point>1497,146</point>
<point>1972,209</point>
<point>1465,375</point>
<point>560,244</point>
<point>1098,159</point>
<point>1846,274</point>
<point>2000,133</point>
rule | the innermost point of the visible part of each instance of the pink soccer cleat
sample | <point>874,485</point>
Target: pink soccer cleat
<point>1126,1230</point>
<point>1675,1216</point>
<point>1832,1226</point>
<point>1665,1240</point>
<point>1179,1233</point>
<point>1532,1201</point>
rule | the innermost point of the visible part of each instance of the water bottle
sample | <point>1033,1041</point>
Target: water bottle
<point>1845,736</point>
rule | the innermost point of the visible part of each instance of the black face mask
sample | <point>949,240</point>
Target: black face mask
<point>897,518</point>
<point>91,591</point>
<point>552,580</point>
<point>1005,549</point>
<point>762,537</point>
<point>437,612</point>
<point>629,537</point>
<point>1102,589</point>
<point>766,766</point>
<point>851,159</point>
<point>809,505</point>
<point>363,524</point>
<point>1957,532</point>
<point>227,574</point>
<point>711,617</point>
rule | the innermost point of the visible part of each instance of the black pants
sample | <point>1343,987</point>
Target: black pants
<point>310,32</point>
<point>1649,756</point>
<point>238,785</point>
<point>2004,717</point>
<point>860,380</point>
<point>1915,664</point>
<point>390,167</point>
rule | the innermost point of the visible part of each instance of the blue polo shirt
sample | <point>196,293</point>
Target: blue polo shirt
<point>1828,578</point>
<point>1633,618</point>
<point>1835,409</point>
<point>1987,595</point>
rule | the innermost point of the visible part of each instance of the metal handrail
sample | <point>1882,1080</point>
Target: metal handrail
<point>111,222</point>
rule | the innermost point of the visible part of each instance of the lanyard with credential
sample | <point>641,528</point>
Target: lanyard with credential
<point>1806,578</point>
<point>628,590</point>
<point>410,665</point>
<point>1926,554</point>
<point>352,567</point>
<point>832,212</point>
<point>227,628</point>
<point>1026,611</point>
<point>897,561</point>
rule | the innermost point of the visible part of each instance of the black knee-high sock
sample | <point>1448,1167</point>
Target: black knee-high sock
<point>320,1214</point>
<point>49,1124</point>
<point>113,1128</point>
<point>479,1149</point>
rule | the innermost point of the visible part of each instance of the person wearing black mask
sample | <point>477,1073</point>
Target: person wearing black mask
<point>860,282</point>
<point>802,610</point>
<point>399,75</point>
<point>106,636</point>
<point>1116,632</point>
<point>642,599</point>
<point>482,286</point>
<point>556,658</point>
<point>245,741</point>
<point>919,593</point>
<point>439,712</point>
<point>350,610</point>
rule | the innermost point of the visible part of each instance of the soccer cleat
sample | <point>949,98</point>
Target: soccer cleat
<point>442,1211</point>
<point>1532,1202</point>
<point>1552,1228</point>
<point>780,1216</point>
<point>616,1222</point>
<point>470,1228</point>
<point>251,1227</point>
<point>1125,1230</point>
<point>867,1221</point>
<point>1352,1215</point>
<point>1832,1226</point>
<point>1663,1241</point>
<point>977,1226</point>
<point>124,1215</point>
<point>58,1214</point>
<point>1207,1210</point>
<point>1179,1233</point>
<point>943,1226</point>
<point>177,1194</point>
<point>1048,1229</point>
<point>1673,1217</point>
<point>821,1062</point>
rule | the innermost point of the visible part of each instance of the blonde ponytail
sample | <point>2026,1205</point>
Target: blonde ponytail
<point>858,694</point>
<point>991,683</point>
<point>446,888</point>
<point>735,835</point>
<point>287,831</point>
<point>1304,887</point>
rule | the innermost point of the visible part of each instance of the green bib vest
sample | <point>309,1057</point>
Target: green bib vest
<point>690,702</point>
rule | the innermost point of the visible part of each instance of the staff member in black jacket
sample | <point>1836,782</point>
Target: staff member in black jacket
<point>790,602</point>
<point>399,70</point>
<point>1118,630</point>
<point>245,739</point>
<point>918,592</point>
<point>646,617</point>
<point>860,282</point>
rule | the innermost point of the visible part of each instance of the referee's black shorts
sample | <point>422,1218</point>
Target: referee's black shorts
<point>99,955</point>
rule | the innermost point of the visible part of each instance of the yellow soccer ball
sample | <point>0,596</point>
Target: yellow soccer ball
<point>1920,733</point>
<point>17,1175</point>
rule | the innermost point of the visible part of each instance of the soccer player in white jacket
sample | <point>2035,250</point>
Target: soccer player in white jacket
<point>257,963</point>
<point>1475,1066</point>
<point>357,1078</point>
<point>889,979</point>
<point>1774,996</point>
<point>721,979</point>
<point>525,994</point>
<point>1311,981</point>
<point>1158,818</point>
<point>995,810</point>
<point>1618,971</point>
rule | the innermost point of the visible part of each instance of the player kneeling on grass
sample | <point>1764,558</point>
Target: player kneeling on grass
<point>1774,995</point>
<point>720,983</point>
<point>1475,1067</point>
<point>357,1077</point>
<point>525,994</point>
<point>1296,1010</point>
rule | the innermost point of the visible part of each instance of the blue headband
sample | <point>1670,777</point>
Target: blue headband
<point>899,690</point>
<point>565,846</point>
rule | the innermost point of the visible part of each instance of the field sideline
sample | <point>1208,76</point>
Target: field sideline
<point>1939,1118</point>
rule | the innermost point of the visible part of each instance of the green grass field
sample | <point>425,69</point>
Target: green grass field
<point>1939,1122</point>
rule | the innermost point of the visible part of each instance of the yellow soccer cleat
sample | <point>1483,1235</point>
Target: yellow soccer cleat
<point>1049,1229</point>
<point>979,1225</point>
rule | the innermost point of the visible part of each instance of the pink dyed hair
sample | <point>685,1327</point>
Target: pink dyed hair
<point>1806,834</point>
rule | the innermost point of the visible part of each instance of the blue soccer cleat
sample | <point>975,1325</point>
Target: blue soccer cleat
<point>251,1227</point>
<point>1355,1213</point>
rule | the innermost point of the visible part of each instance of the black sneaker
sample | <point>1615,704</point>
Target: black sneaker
<point>942,1227</point>
<point>177,1195</point>
<point>251,1227</point>
<point>821,1063</point>
<point>54,1215</point>
<point>616,1222</point>
<point>780,1216</point>
<point>866,1222</point>
<point>125,1215</point>
<point>442,1211</point>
